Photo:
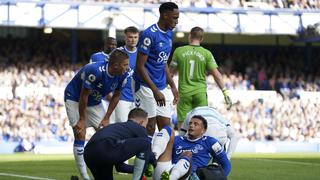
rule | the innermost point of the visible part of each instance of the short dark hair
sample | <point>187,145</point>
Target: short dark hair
<point>167,6</point>
<point>109,39</point>
<point>131,29</point>
<point>117,55</point>
<point>196,33</point>
<point>137,112</point>
<point>204,121</point>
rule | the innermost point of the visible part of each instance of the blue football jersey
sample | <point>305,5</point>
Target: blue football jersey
<point>96,78</point>
<point>202,150</point>
<point>99,56</point>
<point>126,93</point>
<point>157,44</point>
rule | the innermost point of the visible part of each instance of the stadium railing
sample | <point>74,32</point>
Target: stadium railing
<point>88,15</point>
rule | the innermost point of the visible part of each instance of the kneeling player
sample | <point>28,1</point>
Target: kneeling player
<point>166,147</point>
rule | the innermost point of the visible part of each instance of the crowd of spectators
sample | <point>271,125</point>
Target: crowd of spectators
<point>262,4</point>
<point>277,120</point>
<point>39,114</point>
<point>287,70</point>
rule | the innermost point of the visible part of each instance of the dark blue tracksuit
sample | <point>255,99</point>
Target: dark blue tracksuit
<point>113,145</point>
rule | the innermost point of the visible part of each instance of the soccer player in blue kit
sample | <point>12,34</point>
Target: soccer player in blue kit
<point>151,74</point>
<point>218,127</point>
<point>110,45</point>
<point>170,151</point>
<point>126,103</point>
<point>83,97</point>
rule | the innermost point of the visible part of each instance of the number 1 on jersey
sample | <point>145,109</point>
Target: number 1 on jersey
<point>192,62</point>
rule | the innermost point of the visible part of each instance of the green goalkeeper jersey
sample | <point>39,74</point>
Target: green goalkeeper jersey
<point>192,63</point>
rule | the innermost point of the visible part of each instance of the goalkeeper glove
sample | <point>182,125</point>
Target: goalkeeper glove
<point>227,98</point>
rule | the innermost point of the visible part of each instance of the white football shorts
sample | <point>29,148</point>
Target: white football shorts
<point>122,110</point>
<point>144,99</point>
<point>94,114</point>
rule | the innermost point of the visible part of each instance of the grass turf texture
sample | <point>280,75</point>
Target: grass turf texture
<point>291,166</point>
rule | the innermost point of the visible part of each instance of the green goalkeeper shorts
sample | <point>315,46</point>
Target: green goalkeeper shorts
<point>187,103</point>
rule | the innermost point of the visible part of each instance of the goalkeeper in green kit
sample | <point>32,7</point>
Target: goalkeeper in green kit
<point>192,62</point>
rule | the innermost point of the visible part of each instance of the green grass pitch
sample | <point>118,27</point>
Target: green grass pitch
<point>292,166</point>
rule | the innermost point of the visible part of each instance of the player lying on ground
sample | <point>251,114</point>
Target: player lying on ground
<point>218,127</point>
<point>177,156</point>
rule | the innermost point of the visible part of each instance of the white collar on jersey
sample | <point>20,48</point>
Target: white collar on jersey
<point>135,49</point>
<point>193,140</point>
<point>104,53</point>
<point>108,72</point>
<point>160,29</point>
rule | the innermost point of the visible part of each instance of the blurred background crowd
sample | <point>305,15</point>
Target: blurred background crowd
<point>265,4</point>
<point>42,68</point>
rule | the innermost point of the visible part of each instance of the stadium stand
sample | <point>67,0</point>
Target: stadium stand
<point>31,100</point>
<point>263,4</point>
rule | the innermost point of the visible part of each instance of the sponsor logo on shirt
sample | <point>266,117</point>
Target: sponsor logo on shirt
<point>163,57</point>
<point>196,149</point>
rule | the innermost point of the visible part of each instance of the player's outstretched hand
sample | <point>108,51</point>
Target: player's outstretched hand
<point>227,98</point>
<point>80,127</point>
<point>159,97</point>
<point>176,96</point>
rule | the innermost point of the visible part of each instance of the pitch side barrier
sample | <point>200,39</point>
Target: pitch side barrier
<point>90,15</point>
<point>214,96</point>
<point>215,99</point>
<point>244,146</point>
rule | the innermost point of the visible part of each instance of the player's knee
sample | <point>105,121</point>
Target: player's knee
<point>187,159</point>
<point>170,132</point>
<point>151,126</point>
<point>162,122</point>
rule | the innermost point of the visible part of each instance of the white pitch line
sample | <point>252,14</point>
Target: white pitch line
<point>25,177</point>
<point>287,162</point>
